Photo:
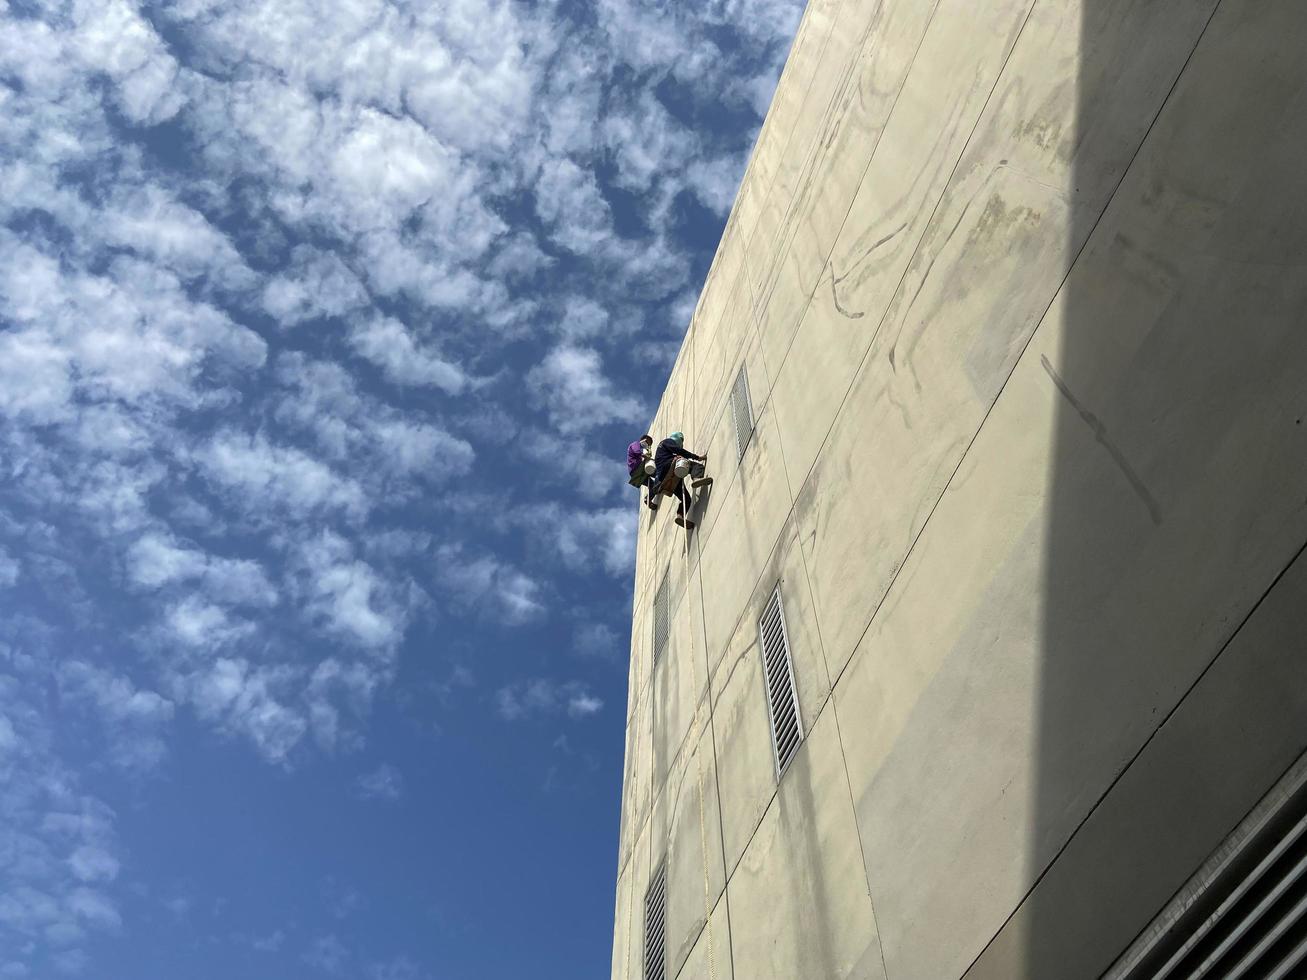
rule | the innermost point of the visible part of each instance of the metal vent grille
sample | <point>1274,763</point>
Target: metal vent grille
<point>742,409</point>
<point>661,618</point>
<point>786,726</point>
<point>1245,913</point>
<point>655,960</point>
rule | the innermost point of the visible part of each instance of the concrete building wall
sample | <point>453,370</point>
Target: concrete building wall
<point>1020,288</point>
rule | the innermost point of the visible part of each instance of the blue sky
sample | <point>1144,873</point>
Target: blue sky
<point>323,328</point>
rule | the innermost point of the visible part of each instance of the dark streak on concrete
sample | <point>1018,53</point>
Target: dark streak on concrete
<point>867,254</point>
<point>835,297</point>
<point>836,280</point>
<point>1100,434</point>
<point>925,276</point>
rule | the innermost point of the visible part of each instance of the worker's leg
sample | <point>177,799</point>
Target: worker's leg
<point>655,486</point>
<point>684,502</point>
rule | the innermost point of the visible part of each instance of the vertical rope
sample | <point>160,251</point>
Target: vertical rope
<point>630,864</point>
<point>698,758</point>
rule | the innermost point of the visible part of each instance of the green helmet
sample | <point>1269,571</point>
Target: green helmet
<point>677,437</point>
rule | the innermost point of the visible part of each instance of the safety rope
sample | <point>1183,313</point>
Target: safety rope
<point>698,758</point>
<point>703,833</point>
<point>631,827</point>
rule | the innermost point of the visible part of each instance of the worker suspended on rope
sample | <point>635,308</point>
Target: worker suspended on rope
<point>638,460</point>
<point>667,480</point>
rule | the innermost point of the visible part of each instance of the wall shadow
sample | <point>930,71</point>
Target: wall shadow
<point>1172,508</point>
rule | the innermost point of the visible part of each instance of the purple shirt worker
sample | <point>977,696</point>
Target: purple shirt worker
<point>635,453</point>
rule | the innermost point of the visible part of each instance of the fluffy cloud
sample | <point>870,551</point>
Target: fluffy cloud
<point>249,700</point>
<point>9,569</point>
<point>569,201</point>
<point>542,697</point>
<point>386,343</point>
<point>156,560</point>
<point>132,718</point>
<point>498,589</point>
<point>63,855</point>
<point>602,538</point>
<point>347,595</point>
<point>350,428</point>
<point>281,478</point>
<point>382,783</point>
<point>597,640</point>
<point>314,285</point>
<point>327,953</point>
<point>132,335</point>
<point>572,387</point>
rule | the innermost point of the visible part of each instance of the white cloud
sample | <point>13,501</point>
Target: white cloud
<point>497,589</point>
<point>90,863</point>
<point>95,908</point>
<point>415,448</point>
<point>584,473</point>
<point>316,285</point>
<point>373,442</point>
<point>197,623</point>
<point>9,569</point>
<point>386,343</point>
<point>62,856</point>
<point>269,943</point>
<point>581,318</point>
<point>583,705</point>
<point>34,376</point>
<point>518,258</point>
<point>458,66</point>
<point>154,561</point>
<point>597,640</point>
<point>338,692</point>
<point>382,783</point>
<point>270,476</point>
<point>398,968</point>
<point>131,334</point>
<point>569,201</point>
<point>327,953</point>
<point>571,386</point>
<point>715,181</point>
<point>542,697</point>
<point>151,221</point>
<point>132,718</point>
<point>244,699</point>
<point>114,39</point>
<point>646,141</point>
<point>71,961</point>
<point>587,540</point>
<point>348,596</point>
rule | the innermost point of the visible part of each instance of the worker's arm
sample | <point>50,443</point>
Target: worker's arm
<point>677,450</point>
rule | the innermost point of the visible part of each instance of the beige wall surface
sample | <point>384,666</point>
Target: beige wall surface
<point>1020,290</point>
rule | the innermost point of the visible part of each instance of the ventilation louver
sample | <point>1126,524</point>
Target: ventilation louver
<point>786,726</point>
<point>742,410</point>
<point>655,964</point>
<point>1244,915</point>
<point>661,618</point>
